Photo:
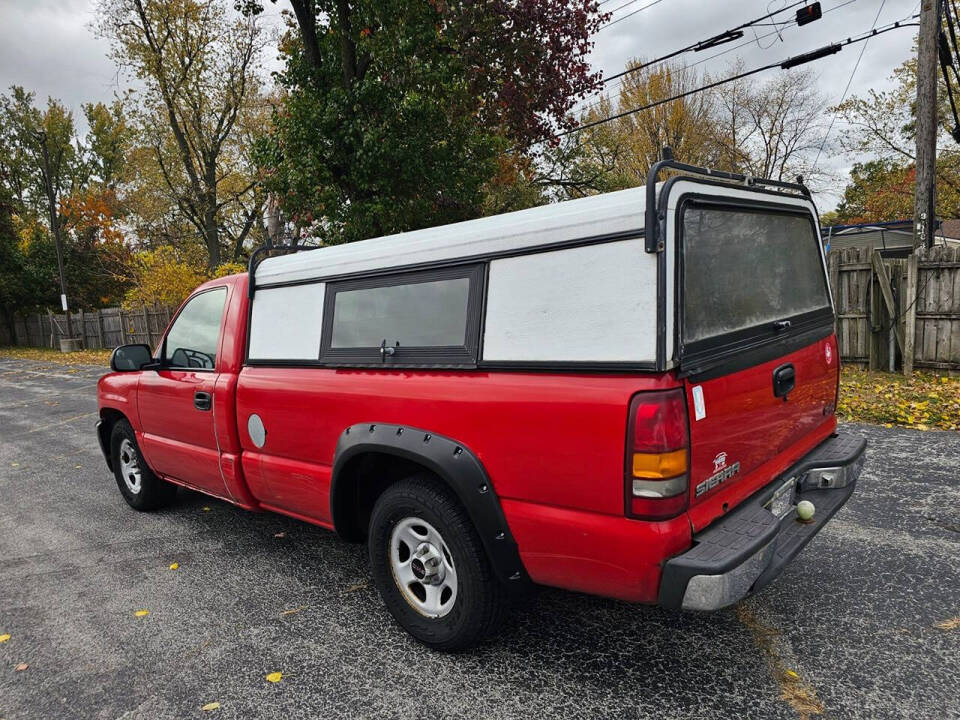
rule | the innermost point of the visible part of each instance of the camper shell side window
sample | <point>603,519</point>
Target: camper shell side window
<point>429,317</point>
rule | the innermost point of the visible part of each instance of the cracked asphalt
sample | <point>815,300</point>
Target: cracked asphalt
<point>864,624</point>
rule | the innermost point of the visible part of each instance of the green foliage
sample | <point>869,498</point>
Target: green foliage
<point>108,141</point>
<point>397,114</point>
<point>395,148</point>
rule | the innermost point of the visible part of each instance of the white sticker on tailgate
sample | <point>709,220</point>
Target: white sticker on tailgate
<point>699,409</point>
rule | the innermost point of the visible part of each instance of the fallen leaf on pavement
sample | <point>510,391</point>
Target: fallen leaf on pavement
<point>356,586</point>
<point>206,508</point>
<point>210,706</point>
<point>174,566</point>
<point>141,613</point>
<point>951,624</point>
<point>4,637</point>
<point>21,667</point>
<point>293,610</point>
<point>280,534</point>
<point>274,677</point>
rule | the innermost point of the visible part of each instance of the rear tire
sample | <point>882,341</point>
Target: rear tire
<point>430,568</point>
<point>141,489</point>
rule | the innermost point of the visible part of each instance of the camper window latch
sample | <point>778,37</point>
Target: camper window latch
<point>385,351</point>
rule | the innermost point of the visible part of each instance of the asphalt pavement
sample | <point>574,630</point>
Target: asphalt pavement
<point>865,623</point>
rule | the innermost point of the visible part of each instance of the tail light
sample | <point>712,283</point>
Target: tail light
<point>657,455</point>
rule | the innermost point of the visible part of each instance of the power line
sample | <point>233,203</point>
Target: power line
<point>630,14</point>
<point>833,116</point>
<point>621,75</point>
<point>718,39</point>
<point>948,51</point>
<point>621,7</point>
<point>785,65</point>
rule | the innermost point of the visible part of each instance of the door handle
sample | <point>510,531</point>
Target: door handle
<point>202,400</point>
<point>784,380</point>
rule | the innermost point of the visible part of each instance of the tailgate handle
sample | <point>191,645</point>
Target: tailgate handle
<point>202,400</point>
<point>784,380</point>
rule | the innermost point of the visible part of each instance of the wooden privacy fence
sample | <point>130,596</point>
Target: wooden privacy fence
<point>877,325</point>
<point>878,321</point>
<point>104,328</point>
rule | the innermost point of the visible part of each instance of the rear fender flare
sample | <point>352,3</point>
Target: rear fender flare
<point>456,466</point>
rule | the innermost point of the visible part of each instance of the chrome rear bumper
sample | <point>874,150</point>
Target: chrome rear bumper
<point>746,549</point>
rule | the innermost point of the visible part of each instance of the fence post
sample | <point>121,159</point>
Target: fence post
<point>874,323</point>
<point>833,265</point>
<point>146,323</point>
<point>123,327</point>
<point>910,329</point>
<point>103,344</point>
<point>83,330</point>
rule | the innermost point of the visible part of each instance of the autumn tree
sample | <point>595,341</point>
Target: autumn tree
<point>197,63</point>
<point>618,154</point>
<point>54,182</point>
<point>772,129</point>
<point>880,126</point>
<point>396,114</point>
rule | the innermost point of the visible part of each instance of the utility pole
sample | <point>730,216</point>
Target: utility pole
<point>924,220</point>
<point>54,224</point>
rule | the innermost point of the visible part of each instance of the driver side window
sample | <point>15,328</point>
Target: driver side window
<point>193,338</point>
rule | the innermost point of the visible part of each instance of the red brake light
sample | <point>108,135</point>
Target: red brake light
<point>657,455</point>
<point>659,421</point>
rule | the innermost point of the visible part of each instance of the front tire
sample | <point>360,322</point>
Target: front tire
<point>141,489</point>
<point>430,567</point>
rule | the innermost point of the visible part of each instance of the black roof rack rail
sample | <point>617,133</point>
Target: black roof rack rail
<point>264,250</point>
<point>655,218</point>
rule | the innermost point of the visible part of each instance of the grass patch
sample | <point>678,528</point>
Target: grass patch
<point>924,401</point>
<point>81,357</point>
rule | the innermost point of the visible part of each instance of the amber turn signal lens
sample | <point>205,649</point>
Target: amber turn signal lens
<point>656,466</point>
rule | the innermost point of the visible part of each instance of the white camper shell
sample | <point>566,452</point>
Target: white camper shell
<point>572,284</point>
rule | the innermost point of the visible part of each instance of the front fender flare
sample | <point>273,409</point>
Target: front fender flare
<point>455,464</point>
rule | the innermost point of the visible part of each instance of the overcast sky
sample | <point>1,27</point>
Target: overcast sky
<point>47,45</point>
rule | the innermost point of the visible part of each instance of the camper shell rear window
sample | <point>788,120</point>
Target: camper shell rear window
<point>748,273</point>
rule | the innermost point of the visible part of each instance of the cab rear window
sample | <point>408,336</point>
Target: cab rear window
<point>746,269</point>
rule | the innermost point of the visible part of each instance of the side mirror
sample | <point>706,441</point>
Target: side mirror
<point>130,357</point>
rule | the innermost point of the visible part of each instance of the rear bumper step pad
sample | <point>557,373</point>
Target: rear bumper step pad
<point>745,550</point>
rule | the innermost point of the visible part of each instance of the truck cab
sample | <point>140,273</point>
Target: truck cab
<point>631,395</point>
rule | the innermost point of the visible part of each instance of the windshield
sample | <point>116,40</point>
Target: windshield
<point>746,268</point>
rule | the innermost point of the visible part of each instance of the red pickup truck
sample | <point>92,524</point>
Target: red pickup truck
<point>630,395</point>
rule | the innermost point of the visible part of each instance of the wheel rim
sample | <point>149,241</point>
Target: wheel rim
<point>423,568</point>
<point>130,467</point>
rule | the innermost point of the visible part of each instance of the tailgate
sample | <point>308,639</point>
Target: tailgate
<point>757,348</point>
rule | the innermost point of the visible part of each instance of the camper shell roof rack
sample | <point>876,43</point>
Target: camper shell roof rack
<point>656,217</point>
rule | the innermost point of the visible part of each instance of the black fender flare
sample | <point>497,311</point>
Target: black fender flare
<point>455,464</point>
